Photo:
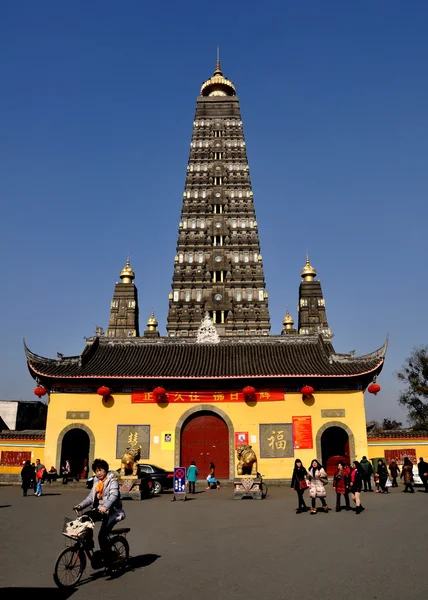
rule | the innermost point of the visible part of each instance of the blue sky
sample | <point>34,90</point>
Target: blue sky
<point>96,115</point>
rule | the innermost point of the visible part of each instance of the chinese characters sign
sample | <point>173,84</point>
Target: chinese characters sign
<point>271,395</point>
<point>276,440</point>
<point>133,435</point>
<point>302,433</point>
<point>400,455</point>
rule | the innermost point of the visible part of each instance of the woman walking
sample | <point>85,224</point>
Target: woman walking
<point>341,486</point>
<point>394,469</point>
<point>211,479</point>
<point>299,485</point>
<point>356,485</point>
<point>192,475</point>
<point>407,475</point>
<point>317,480</point>
<point>382,471</point>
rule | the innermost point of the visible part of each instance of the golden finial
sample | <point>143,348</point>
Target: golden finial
<point>127,274</point>
<point>288,321</point>
<point>151,322</point>
<point>218,85</point>
<point>308,271</point>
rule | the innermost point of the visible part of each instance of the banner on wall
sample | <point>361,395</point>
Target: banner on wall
<point>167,440</point>
<point>302,433</point>
<point>241,438</point>
<point>400,454</point>
<point>193,397</point>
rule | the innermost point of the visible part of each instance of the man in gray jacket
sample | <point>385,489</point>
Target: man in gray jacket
<point>104,500</point>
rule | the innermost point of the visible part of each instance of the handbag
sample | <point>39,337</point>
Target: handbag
<point>388,483</point>
<point>303,485</point>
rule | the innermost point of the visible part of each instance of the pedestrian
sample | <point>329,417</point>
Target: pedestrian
<point>66,469</point>
<point>40,474</point>
<point>341,486</point>
<point>394,470</point>
<point>299,485</point>
<point>27,475</point>
<point>211,478</point>
<point>192,475</point>
<point>356,485</point>
<point>423,473</point>
<point>52,474</point>
<point>407,475</point>
<point>317,480</point>
<point>366,474</point>
<point>104,503</point>
<point>382,471</point>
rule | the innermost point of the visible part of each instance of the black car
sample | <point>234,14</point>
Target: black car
<point>162,479</point>
<point>147,485</point>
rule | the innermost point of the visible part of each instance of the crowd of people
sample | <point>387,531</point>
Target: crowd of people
<point>350,480</point>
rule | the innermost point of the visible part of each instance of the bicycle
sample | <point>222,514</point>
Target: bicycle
<point>71,562</point>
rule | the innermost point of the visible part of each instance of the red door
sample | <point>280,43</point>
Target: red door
<point>205,438</point>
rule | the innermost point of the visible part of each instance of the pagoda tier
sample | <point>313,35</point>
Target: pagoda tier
<point>294,359</point>
<point>218,266</point>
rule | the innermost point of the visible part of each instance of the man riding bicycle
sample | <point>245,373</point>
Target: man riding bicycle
<point>104,501</point>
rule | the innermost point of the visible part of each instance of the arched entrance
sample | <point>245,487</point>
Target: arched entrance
<point>335,447</point>
<point>75,448</point>
<point>205,438</point>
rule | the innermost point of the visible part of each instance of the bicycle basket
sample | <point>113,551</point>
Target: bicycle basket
<point>77,529</point>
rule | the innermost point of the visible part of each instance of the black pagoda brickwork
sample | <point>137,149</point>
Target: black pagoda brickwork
<point>218,265</point>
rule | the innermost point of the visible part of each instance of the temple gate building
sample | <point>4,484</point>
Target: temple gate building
<point>219,378</point>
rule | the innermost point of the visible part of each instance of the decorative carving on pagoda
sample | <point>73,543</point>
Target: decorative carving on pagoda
<point>207,332</point>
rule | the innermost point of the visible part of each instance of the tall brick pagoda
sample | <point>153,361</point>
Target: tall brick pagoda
<point>218,265</point>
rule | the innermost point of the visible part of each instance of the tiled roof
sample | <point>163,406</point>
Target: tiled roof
<point>169,358</point>
<point>397,434</point>
<point>27,434</point>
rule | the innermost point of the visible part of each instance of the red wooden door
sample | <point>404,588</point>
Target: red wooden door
<point>205,438</point>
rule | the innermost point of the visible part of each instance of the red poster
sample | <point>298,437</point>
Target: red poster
<point>241,438</point>
<point>195,397</point>
<point>302,433</point>
<point>400,455</point>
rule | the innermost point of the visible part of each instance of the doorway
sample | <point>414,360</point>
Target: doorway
<point>205,438</point>
<point>75,449</point>
<point>334,448</point>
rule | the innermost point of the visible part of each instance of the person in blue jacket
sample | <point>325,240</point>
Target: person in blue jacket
<point>192,475</point>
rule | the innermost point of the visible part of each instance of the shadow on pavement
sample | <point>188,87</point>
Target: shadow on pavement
<point>135,562</point>
<point>5,505</point>
<point>39,592</point>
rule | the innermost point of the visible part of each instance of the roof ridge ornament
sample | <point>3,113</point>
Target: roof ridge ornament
<point>207,332</point>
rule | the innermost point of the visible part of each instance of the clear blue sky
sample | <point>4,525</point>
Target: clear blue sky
<point>96,110</point>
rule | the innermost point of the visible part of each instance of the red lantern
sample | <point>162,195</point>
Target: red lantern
<point>373,388</point>
<point>159,393</point>
<point>249,392</point>
<point>307,390</point>
<point>103,391</point>
<point>40,391</point>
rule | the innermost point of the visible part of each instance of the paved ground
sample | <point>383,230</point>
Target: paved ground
<point>215,547</point>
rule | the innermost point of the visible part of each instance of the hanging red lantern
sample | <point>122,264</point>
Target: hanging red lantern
<point>103,391</point>
<point>307,390</point>
<point>249,392</point>
<point>159,393</point>
<point>373,388</point>
<point>40,391</point>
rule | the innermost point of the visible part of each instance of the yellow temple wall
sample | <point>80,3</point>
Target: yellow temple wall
<point>378,448</point>
<point>66,409</point>
<point>34,446</point>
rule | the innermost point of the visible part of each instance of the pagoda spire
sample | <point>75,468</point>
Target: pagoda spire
<point>123,321</point>
<point>312,314</point>
<point>218,267</point>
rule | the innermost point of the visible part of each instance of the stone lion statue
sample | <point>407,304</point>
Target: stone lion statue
<point>247,461</point>
<point>129,461</point>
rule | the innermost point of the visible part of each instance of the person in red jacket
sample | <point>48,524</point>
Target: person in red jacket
<point>341,486</point>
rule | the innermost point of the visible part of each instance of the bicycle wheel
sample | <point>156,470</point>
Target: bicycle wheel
<point>119,554</point>
<point>264,490</point>
<point>69,567</point>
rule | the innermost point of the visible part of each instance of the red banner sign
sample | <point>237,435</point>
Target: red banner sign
<point>400,455</point>
<point>241,438</point>
<point>302,433</point>
<point>212,397</point>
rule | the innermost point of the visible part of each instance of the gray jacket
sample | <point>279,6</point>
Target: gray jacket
<point>111,494</point>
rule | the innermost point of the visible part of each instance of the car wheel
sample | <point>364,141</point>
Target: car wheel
<point>157,488</point>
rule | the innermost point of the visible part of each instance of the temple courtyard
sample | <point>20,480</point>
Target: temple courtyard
<point>214,547</point>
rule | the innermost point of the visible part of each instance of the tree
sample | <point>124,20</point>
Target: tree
<point>414,374</point>
<point>391,424</point>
